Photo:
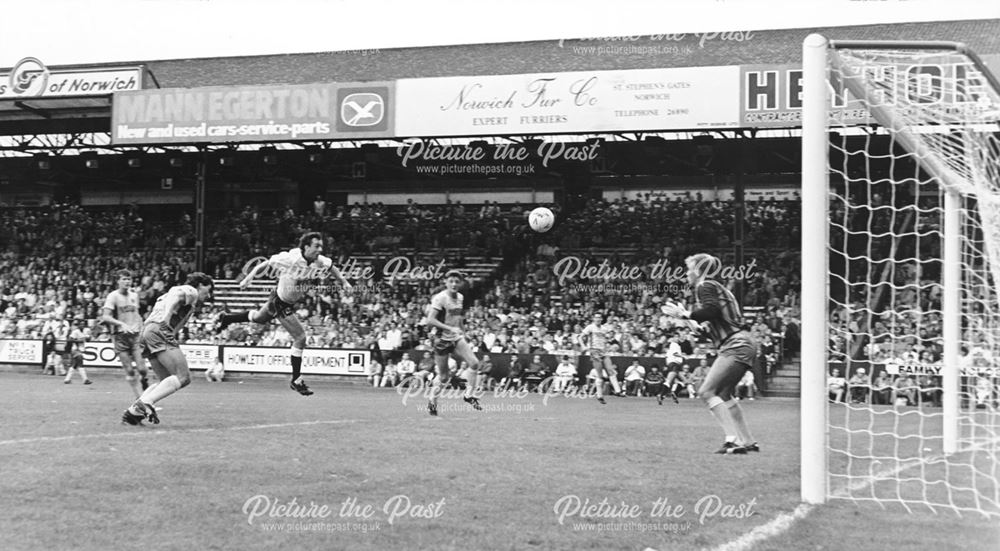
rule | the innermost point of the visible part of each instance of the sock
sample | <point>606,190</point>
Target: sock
<point>69,374</point>
<point>722,415</point>
<point>164,388</point>
<point>296,363</point>
<point>470,385</point>
<point>742,430</point>
<point>438,388</point>
<point>236,317</point>
<point>83,373</point>
<point>134,383</point>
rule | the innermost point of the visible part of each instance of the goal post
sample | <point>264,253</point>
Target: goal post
<point>901,260</point>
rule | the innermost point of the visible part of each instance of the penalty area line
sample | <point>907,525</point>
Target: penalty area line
<point>776,526</point>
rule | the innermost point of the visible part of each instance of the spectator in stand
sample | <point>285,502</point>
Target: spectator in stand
<point>859,386</point>
<point>406,368</point>
<point>425,369</point>
<point>515,375</point>
<point>699,373</point>
<point>684,383</point>
<point>930,390</point>
<point>536,372</point>
<point>984,393</point>
<point>375,372</point>
<point>462,375</point>
<point>836,385</point>
<point>634,376</point>
<point>565,375</point>
<point>746,388</point>
<point>882,389</point>
<point>487,379</point>
<point>904,390</point>
<point>655,384</point>
<point>768,356</point>
<point>215,372</point>
<point>791,337</point>
<point>391,376</point>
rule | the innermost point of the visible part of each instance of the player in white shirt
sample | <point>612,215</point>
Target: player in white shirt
<point>445,313</point>
<point>299,270</point>
<point>121,313</point>
<point>158,342</point>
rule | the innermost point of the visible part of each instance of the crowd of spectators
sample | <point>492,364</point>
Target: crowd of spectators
<point>58,263</point>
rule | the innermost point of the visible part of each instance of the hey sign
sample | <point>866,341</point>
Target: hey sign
<point>771,95</point>
<point>253,113</point>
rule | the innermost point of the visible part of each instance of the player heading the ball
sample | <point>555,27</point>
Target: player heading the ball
<point>299,270</point>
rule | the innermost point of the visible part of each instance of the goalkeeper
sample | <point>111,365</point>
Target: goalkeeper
<point>719,313</point>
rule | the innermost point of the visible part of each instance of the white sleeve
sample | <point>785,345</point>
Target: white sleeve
<point>437,304</point>
<point>283,260</point>
<point>109,302</point>
<point>187,294</point>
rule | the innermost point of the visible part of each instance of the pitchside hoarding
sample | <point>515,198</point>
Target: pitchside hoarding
<point>20,351</point>
<point>315,361</point>
<point>253,113</point>
<point>102,354</point>
<point>252,359</point>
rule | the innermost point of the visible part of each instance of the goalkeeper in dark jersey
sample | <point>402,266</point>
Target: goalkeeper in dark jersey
<point>718,313</point>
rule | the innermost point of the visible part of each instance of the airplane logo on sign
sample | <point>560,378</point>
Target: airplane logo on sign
<point>362,109</point>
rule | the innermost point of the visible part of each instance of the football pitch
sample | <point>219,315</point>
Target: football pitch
<point>249,464</point>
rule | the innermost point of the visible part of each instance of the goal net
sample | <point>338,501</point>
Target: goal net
<point>901,149</point>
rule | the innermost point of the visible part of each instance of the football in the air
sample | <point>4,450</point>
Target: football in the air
<point>541,219</point>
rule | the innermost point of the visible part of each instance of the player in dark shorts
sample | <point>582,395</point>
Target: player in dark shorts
<point>298,270</point>
<point>121,314</point>
<point>158,342</point>
<point>718,312</point>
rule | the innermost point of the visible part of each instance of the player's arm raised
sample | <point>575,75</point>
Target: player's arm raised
<point>679,312</point>
<point>335,273</point>
<point>246,281</point>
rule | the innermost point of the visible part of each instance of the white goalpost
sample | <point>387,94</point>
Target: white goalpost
<point>900,275</point>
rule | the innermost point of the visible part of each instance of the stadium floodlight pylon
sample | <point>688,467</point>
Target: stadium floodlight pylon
<point>901,240</point>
